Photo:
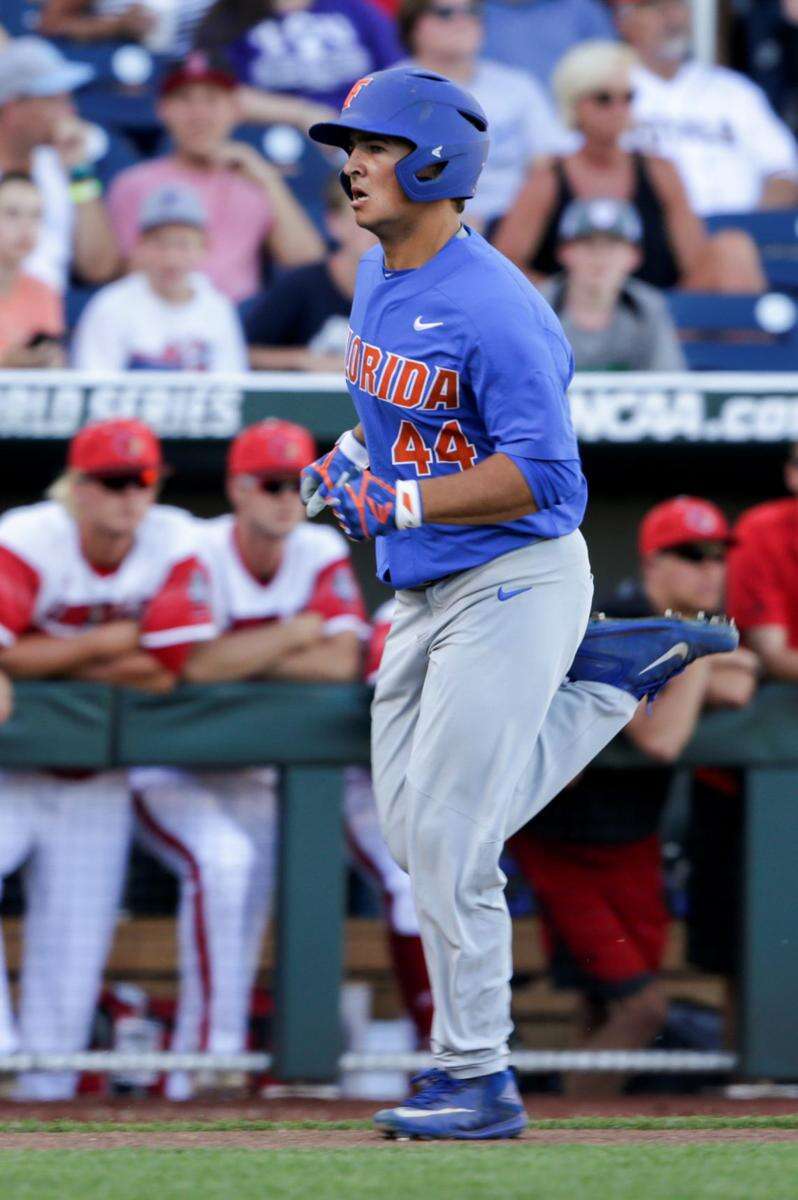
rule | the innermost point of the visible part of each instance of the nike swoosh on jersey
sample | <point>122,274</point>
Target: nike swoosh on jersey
<point>680,650</point>
<point>418,324</point>
<point>515,592</point>
<point>429,1112</point>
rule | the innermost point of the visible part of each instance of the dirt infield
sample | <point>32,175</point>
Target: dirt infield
<point>122,1110</point>
<point>349,1139</point>
<point>134,1124</point>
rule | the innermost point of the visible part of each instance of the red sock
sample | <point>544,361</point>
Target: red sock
<point>410,970</point>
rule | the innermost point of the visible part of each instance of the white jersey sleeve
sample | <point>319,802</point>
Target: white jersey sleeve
<point>100,342</point>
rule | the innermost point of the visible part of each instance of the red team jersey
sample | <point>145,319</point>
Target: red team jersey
<point>762,586</point>
<point>380,629</point>
<point>314,575</point>
<point>48,586</point>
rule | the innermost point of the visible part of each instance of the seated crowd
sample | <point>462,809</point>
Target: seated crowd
<point>587,101</point>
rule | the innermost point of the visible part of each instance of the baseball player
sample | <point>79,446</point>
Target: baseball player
<point>98,583</point>
<point>465,468</point>
<point>287,606</point>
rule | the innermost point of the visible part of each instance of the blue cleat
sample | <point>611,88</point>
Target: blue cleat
<point>641,655</point>
<point>488,1106</point>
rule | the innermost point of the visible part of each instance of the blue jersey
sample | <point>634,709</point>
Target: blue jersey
<point>448,364</point>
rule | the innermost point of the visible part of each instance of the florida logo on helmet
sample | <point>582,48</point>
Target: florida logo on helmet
<point>356,89</point>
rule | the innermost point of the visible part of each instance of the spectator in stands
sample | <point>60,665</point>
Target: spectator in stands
<point>771,35</point>
<point>594,92</point>
<point>733,153</point>
<point>31,318</point>
<point>763,579</point>
<point>594,856</point>
<point>41,136</point>
<point>533,35</point>
<point>313,50</point>
<point>446,36</point>
<point>167,316</point>
<point>249,208</point>
<point>301,323</point>
<point>613,322</point>
<point>163,26</point>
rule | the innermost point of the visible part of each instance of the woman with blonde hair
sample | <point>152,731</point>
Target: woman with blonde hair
<point>594,93</point>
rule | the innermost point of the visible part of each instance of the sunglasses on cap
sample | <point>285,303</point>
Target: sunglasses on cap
<point>698,552</point>
<point>450,12</point>
<point>604,99</point>
<point>279,487</point>
<point>120,481</point>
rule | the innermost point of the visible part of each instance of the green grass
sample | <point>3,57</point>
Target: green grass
<point>518,1172</point>
<point>70,1125</point>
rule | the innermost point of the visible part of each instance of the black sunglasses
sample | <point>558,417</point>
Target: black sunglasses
<point>605,99</point>
<point>450,12</point>
<point>279,487</point>
<point>120,482</point>
<point>698,552</point>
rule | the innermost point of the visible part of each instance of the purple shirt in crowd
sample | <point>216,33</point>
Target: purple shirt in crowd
<point>317,52</point>
<point>534,34</point>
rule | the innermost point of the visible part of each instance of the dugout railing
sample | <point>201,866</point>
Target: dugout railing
<point>312,732</point>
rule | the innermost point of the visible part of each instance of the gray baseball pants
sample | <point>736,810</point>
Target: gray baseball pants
<point>473,732</point>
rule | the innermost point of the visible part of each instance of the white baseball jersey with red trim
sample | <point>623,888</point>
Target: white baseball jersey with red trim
<point>48,586</point>
<point>315,575</point>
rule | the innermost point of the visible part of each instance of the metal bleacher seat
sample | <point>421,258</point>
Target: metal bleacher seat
<point>737,333</point>
<point>123,93</point>
<point>775,232</point>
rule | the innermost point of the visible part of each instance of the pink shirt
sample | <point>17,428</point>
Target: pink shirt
<point>239,218</point>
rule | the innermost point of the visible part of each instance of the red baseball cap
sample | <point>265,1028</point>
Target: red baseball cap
<point>115,446</point>
<point>271,447</point>
<point>682,519</point>
<point>200,67</point>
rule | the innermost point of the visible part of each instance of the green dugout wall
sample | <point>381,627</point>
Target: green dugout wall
<point>312,731</point>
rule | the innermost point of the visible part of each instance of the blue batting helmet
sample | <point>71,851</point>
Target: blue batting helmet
<point>444,123</point>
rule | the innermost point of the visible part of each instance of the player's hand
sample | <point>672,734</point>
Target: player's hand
<point>364,506</point>
<point>113,639</point>
<point>71,140</point>
<point>347,457</point>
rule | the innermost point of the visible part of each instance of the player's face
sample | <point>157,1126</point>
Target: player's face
<point>659,30</point>
<point>691,578</point>
<point>599,261</point>
<point>271,506</point>
<point>20,220</point>
<point>113,506</point>
<point>199,118</point>
<point>378,202</point>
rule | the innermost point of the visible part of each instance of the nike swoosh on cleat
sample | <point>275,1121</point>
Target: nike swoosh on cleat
<point>680,650</point>
<point>418,324</point>
<point>515,592</point>
<point>407,1113</point>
